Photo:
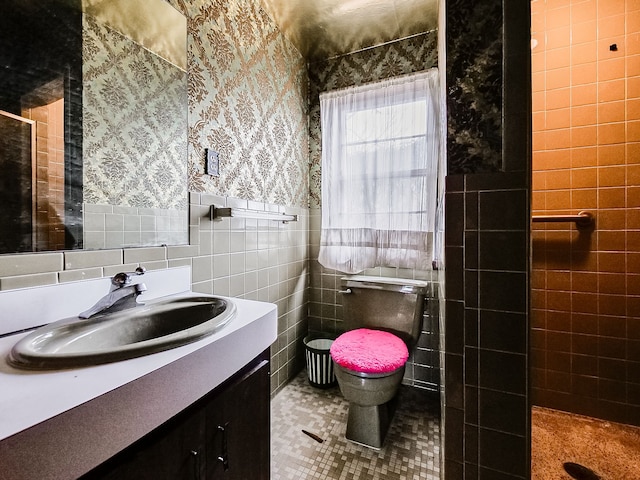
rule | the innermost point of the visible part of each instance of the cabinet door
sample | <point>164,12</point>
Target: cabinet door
<point>175,451</point>
<point>225,435</point>
<point>237,429</point>
<point>178,453</point>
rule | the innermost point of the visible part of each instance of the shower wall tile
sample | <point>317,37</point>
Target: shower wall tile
<point>493,445</point>
<point>584,299</point>
<point>501,411</point>
<point>455,327</point>
<point>487,245</point>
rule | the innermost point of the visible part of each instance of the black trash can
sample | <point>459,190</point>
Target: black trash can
<point>319,363</point>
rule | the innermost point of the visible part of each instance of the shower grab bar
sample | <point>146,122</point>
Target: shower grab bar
<point>220,212</point>
<point>582,219</point>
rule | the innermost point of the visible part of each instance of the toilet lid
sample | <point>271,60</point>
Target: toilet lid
<point>369,351</point>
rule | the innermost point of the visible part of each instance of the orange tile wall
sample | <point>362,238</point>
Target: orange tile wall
<point>56,235</point>
<point>585,335</point>
<point>49,188</point>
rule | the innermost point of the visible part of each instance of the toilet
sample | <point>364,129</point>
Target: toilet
<point>383,320</point>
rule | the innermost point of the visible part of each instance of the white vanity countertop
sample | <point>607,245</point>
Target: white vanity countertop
<point>60,424</point>
<point>30,397</point>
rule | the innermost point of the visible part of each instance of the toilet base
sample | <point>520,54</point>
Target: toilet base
<point>368,426</point>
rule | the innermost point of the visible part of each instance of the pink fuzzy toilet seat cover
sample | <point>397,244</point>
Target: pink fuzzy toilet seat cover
<point>369,351</point>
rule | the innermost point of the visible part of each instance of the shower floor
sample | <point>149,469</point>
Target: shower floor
<point>611,450</point>
<point>411,450</point>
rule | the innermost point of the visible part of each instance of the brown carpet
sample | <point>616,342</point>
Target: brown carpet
<point>611,450</point>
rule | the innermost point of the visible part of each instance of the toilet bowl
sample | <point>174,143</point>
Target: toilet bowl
<point>369,366</point>
<point>383,318</point>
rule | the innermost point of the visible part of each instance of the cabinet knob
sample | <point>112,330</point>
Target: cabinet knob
<point>196,464</point>
<point>224,457</point>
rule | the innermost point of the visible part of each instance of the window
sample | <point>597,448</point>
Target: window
<point>380,154</point>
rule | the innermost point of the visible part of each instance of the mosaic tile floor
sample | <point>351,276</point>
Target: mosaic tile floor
<point>411,450</point>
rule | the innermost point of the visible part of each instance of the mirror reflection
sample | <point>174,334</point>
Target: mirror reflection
<point>93,125</point>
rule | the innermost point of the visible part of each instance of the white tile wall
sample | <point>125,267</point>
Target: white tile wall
<point>105,226</point>
<point>253,259</point>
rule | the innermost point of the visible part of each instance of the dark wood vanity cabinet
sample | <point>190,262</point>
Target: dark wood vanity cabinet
<point>237,443</point>
<point>225,435</point>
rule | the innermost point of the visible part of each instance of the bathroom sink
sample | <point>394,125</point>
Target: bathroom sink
<point>127,334</point>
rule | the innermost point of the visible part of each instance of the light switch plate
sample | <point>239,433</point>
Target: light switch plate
<point>212,164</point>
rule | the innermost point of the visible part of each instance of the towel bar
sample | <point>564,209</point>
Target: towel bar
<point>219,212</point>
<point>582,219</point>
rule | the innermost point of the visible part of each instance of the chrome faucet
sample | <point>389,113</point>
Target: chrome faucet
<point>121,296</point>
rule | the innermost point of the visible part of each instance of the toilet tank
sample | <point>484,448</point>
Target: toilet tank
<point>395,305</point>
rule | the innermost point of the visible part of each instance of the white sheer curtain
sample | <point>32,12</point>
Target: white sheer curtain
<point>380,161</point>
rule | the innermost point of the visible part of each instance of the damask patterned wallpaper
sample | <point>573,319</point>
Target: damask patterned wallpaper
<point>248,101</point>
<point>402,57</point>
<point>134,123</point>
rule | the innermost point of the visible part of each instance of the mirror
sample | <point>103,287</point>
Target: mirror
<point>93,124</point>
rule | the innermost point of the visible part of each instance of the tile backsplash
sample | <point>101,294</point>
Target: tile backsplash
<point>253,259</point>
<point>108,226</point>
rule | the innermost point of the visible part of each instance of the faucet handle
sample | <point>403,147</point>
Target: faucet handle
<point>124,278</point>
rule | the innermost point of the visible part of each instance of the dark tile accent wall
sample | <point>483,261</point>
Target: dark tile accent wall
<point>486,393</point>
<point>425,359</point>
<point>487,422</point>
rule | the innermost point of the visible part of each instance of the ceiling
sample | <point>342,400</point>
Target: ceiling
<point>323,29</point>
